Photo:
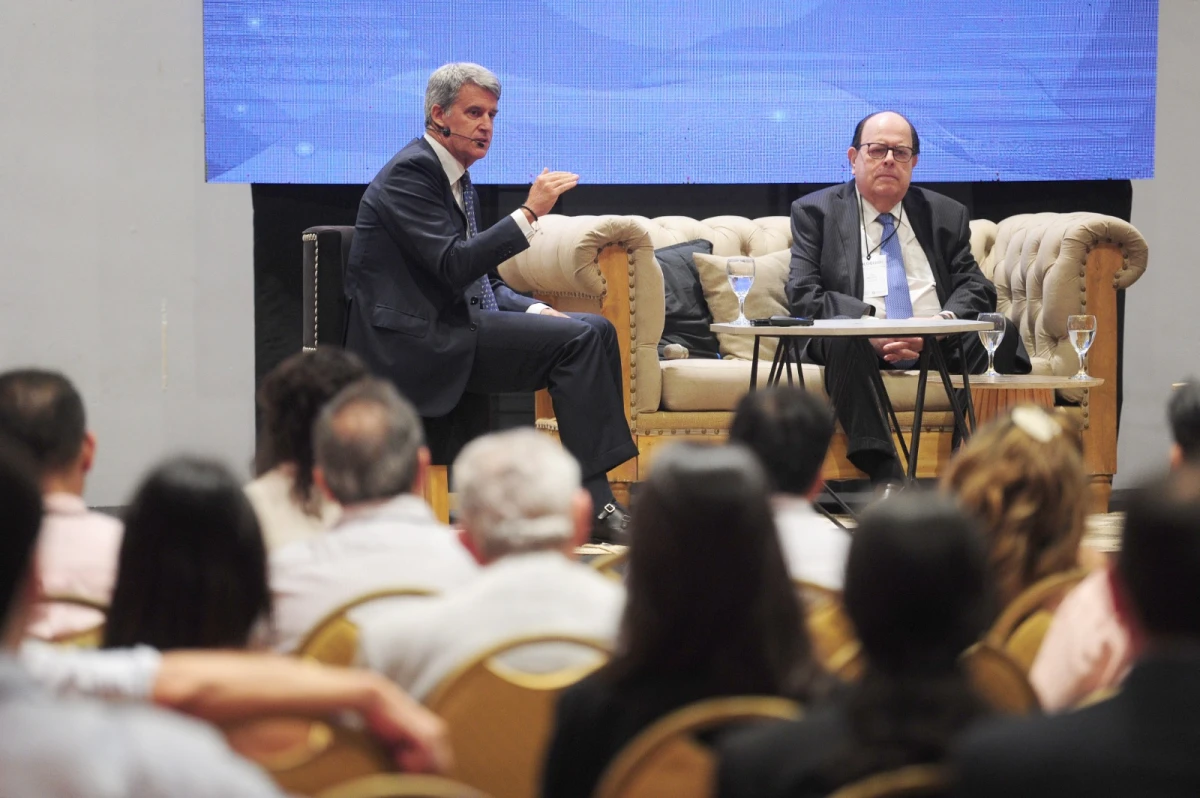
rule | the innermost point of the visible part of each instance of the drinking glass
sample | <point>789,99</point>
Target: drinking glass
<point>991,340</point>
<point>741,276</point>
<point>1081,330</point>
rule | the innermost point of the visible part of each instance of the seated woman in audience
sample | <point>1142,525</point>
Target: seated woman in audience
<point>192,570</point>
<point>710,612</point>
<point>917,591</point>
<point>291,396</point>
<point>1023,478</point>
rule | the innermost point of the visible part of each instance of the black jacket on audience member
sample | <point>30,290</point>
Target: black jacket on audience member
<point>1144,742</point>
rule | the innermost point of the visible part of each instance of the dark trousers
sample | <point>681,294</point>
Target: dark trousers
<point>847,360</point>
<point>578,359</point>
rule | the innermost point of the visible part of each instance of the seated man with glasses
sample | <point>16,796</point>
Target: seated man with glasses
<point>875,246</point>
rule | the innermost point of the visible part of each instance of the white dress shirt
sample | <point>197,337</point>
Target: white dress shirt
<point>516,596</point>
<point>454,172</point>
<point>77,556</point>
<point>56,748</point>
<point>112,674</point>
<point>815,548</point>
<point>921,286</point>
<point>393,544</point>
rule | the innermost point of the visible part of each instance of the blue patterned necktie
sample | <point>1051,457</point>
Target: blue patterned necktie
<point>898,302</point>
<point>487,299</point>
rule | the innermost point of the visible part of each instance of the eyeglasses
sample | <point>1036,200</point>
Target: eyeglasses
<point>877,152</point>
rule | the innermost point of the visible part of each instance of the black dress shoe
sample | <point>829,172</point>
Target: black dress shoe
<point>610,525</point>
<point>888,490</point>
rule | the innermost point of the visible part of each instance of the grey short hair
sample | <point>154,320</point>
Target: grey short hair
<point>516,492</point>
<point>447,81</point>
<point>366,440</point>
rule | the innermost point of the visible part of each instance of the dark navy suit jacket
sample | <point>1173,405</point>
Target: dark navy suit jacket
<point>412,280</point>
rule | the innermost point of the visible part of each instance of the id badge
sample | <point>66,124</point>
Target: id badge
<point>875,276</point>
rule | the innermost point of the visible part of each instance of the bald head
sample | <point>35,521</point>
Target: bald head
<point>883,181</point>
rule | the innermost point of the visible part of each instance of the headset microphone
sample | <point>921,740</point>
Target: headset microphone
<point>447,132</point>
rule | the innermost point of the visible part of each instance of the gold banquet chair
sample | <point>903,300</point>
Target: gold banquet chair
<point>91,637</point>
<point>305,756</point>
<point>667,758</point>
<point>500,718</point>
<point>333,640</point>
<point>999,680</point>
<point>611,564</point>
<point>926,781</point>
<point>402,786</point>
<point>1022,626</point>
<point>835,643</point>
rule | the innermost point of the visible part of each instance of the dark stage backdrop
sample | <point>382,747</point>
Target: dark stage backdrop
<point>283,212</point>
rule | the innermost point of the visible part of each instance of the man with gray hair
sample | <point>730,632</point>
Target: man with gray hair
<point>524,513</point>
<point>429,311</point>
<point>371,459</point>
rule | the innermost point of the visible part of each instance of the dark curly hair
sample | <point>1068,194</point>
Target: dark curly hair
<point>290,398</point>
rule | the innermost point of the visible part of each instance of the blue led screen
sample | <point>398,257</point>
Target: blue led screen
<point>649,91</point>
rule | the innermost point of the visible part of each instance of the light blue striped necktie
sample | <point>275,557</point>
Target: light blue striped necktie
<point>898,302</point>
<point>487,298</point>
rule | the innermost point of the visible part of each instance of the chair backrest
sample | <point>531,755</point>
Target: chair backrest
<point>927,781</point>
<point>833,637</point>
<point>1023,624</point>
<point>611,564</point>
<point>668,759</point>
<point>499,718</point>
<point>92,636</point>
<point>999,680</point>
<point>402,786</point>
<point>333,640</point>
<point>305,756</point>
<point>326,252</point>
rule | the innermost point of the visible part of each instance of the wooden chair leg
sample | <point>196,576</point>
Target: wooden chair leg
<point>437,492</point>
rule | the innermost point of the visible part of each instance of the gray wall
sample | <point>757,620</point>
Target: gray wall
<point>107,221</point>
<point>1162,334</point>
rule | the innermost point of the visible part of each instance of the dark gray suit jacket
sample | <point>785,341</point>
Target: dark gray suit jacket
<point>826,275</point>
<point>412,280</point>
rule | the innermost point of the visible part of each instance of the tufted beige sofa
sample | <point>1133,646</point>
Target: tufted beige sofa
<point>1045,266</point>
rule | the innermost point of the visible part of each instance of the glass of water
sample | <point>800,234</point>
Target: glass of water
<point>991,340</point>
<point>1081,330</point>
<point>741,277</point>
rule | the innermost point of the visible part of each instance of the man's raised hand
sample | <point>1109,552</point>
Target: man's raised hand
<point>547,188</point>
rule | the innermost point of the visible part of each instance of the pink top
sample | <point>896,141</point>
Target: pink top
<point>77,556</point>
<point>1086,649</point>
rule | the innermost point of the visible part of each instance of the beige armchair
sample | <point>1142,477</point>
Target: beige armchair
<point>1046,266</point>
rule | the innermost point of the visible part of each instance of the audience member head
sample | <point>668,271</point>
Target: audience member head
<point>1158,567</point>
<point>1022,476</point>
<point>42,411</point>
<point>916,584</point>
<point>369,445</point>
<point>789,429</point>
<point>1183,411</point>
<point>709,597</point>
<point>21,499</point>
<point>519,491</point>
<point>192,572</point>
<point>917,592</point>
<point>290,398</point>
<point>883,175</point>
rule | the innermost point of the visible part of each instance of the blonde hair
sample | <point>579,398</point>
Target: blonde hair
<point>1022,477</point>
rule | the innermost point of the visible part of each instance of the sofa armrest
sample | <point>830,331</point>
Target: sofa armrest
<point>1048,266</point>
<point>605,265</point>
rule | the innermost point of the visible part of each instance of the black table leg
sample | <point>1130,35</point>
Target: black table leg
<point>966,375</point>
<point>754,365</point>
<point>919,408</point>
<point>960,421</point>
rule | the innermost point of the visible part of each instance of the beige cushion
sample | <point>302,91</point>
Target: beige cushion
<point>713,385</point>
<point>766,298</point>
